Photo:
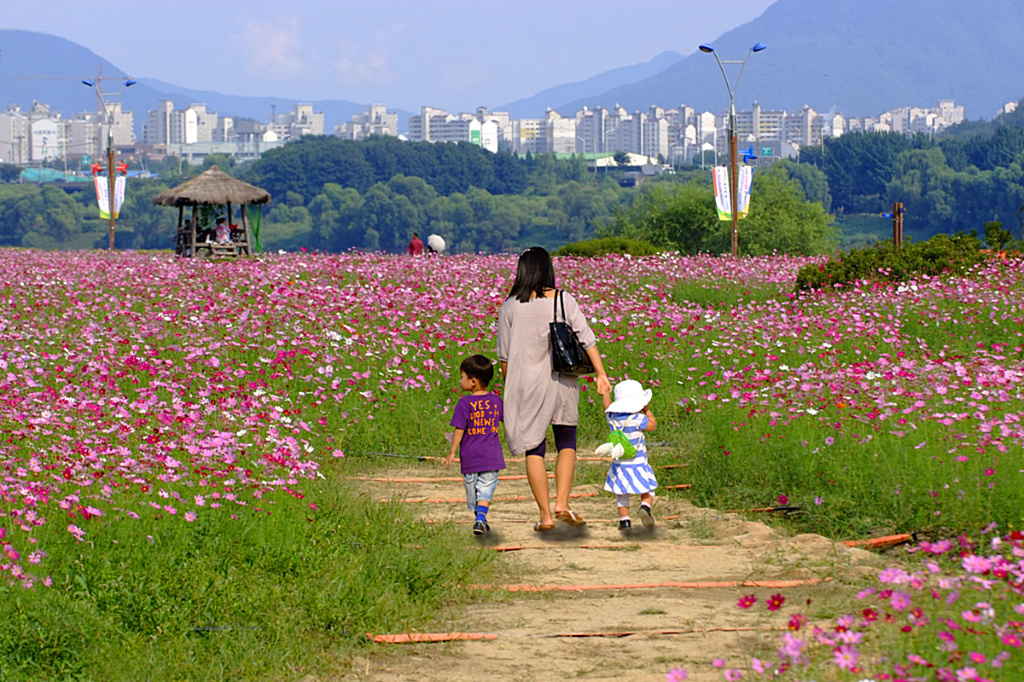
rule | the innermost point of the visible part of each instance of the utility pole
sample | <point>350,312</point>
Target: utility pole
<point>108,115</point>
<point>733,170</point>
<point>897,224</point>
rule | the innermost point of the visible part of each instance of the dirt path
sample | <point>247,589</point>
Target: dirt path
<point>701,545</point>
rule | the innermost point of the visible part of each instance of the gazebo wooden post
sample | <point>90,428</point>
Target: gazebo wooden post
<point>229,220</point>
<point>179,242</point>
<point>245,233</point>
<point>195,226</point>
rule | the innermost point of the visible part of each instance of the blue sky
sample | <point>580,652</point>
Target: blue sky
<point>404,53</point>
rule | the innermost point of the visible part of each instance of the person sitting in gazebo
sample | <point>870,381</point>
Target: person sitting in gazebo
<point>223,231</point>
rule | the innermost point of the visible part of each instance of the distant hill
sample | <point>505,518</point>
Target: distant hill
<point>534,107</point>
<point>859,57</point>
<point>48,69</point>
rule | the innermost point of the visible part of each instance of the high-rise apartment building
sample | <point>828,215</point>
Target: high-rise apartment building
<point>376,120</point>
<point>14,137</point>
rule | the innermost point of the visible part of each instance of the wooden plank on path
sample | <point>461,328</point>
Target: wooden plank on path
<point>698,631</point>
<point>415,637</point>
<point>881,543</point>
<point>432,479</point>
<point>514,498</point>
<point>772,584</point>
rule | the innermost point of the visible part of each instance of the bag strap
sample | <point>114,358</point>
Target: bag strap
<point>558,298</point>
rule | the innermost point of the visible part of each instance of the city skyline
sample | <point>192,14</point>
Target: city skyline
<point>407,54</point>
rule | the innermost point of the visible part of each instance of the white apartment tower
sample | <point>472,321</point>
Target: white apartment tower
<point>14,138</point>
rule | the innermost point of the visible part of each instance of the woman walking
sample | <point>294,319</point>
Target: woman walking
<point>535,395</point>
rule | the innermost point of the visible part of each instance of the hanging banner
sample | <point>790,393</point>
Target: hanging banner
<point>103,195</point>
<point>723,198</point>
<point>746,179</point>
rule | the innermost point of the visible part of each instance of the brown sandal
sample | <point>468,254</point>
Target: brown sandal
<point>570,517</point>
<point>543,527</point>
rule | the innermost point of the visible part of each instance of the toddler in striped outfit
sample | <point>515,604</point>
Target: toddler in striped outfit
<point>630,414</point>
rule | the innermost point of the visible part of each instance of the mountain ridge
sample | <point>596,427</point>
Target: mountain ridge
<point>536,105</point>
<point>858,57</point>
<point>47,68</point>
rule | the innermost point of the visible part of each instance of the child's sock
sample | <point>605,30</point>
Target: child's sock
<point>624,518</point>
<point>481,513</point>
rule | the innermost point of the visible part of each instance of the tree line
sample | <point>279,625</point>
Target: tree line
<point>959,181</point>
<point>333,195</point>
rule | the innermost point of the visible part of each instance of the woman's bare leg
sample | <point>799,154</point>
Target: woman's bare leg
<point>565,471</point>
<point>537,475</point>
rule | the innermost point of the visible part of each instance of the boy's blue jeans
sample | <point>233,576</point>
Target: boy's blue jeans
<point>480,486</point>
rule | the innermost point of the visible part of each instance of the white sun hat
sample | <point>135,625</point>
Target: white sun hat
<point>630,396</point>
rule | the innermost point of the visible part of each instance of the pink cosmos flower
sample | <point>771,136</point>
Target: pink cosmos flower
<point>976,564</point>
<point>775,602</point>
<point>733,674</point>
<point>1010,639</point>
<point>677,675</point>
<point>747,601</point>
<point>900,600</point>
<point>190,516</point>
<point>845,656</point>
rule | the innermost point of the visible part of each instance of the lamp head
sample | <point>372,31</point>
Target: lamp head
<point>89,83</point>
<point>706,48</point>
<point>758,47</point>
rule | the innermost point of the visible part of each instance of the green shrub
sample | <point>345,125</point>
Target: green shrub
<point>605,245</point>
<point>882,262</point>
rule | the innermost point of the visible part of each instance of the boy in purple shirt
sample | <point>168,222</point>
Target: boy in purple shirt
<point>476,438</point>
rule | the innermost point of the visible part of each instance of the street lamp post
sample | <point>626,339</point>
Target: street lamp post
<point>733,171</point>
<point>109,118</point>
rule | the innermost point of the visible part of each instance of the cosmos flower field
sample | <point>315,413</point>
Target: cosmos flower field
<point>137,385</point>
<point>144,397</point>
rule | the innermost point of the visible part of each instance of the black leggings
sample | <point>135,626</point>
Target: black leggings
<point>565,439</point>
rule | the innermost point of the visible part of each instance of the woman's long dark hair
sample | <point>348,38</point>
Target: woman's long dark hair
<point>534,274</point>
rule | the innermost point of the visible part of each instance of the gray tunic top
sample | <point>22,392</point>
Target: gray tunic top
<point>536,397</point>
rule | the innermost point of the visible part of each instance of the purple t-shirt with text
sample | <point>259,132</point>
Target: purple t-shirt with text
<point>478,417</point>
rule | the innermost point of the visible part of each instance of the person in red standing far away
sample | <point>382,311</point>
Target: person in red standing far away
<point>415,246</point>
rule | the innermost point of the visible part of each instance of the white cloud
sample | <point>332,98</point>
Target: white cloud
<point>369,62</point>
<point>273,48</point>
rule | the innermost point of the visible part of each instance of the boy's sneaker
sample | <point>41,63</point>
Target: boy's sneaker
<point>645,516</point>
<point>479,528</point>
<point>625,524</point>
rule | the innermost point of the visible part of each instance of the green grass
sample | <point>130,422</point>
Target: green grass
<point>725,294</point>
<point>281,591</point>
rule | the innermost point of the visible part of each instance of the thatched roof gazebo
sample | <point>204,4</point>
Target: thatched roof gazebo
<point>213,187</point>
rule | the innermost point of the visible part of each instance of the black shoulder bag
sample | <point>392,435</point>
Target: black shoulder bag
<point>567,354</point>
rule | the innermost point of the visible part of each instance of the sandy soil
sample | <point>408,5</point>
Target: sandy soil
<point>532,628</point>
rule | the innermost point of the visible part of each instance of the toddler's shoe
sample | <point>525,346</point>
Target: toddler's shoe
<point>645,516</point>
<point>625,524</point>
<point>479,528</point>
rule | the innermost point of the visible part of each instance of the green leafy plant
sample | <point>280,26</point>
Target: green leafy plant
<point>883,262</point>
<point>606,245</point>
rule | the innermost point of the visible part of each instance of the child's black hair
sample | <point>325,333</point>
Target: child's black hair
<point>478,367</point>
